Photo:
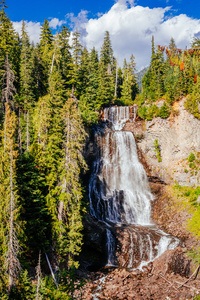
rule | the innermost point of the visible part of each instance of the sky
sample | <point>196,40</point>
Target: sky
<point>131,23</point>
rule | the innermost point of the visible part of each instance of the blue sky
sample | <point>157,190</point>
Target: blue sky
<point>38,10</point>
<point>131,23</point>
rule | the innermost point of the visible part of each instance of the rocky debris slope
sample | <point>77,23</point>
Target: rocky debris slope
<point>177,136</point>
<point>168,277</point>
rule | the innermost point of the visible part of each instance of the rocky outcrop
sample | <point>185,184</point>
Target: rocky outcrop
<point>94,252</point>
<point>168,277</point>
<point>136,246</point>
<point>173,261</point>
<point>177,137</point>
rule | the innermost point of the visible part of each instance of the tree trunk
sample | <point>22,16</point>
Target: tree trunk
<point>20,133</point>
<point>116,77</point>
<point>38,273</point>
<point>11,267</point>
<point>27,132</point>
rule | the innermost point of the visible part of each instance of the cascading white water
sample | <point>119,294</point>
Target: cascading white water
<point>119,191</point>
<point>116,116</point>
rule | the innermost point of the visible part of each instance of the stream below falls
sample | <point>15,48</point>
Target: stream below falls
<point>120,196</point>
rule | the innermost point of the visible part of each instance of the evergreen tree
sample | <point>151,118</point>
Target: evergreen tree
<point>27,84</point>
<point>106,79</point>
<point>76,55</point>
<point>172,44</point>
<point>153,80</point>
<point>70,198</point>
<point>46,37</point>
<point>88,100</point>
<point>9,45</point>
<point>9,247</point>
<point>8,90</point>
<point>83,73</point>
<point>66,63</point>
<point>33,209</point>
<point>129,88</point>
<point>46,45</point>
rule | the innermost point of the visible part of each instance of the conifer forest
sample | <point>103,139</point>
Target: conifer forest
<point>52,94</point>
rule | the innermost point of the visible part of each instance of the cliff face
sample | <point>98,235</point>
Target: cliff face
<point>177,137</point>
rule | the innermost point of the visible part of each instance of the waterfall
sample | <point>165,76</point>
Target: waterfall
<point>119,193</point>
<point>110,247</point>
<point>119,189</point>
<point>117,116</point>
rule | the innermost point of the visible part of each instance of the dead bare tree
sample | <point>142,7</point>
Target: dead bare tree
<point>38,276</point>
<point>8,84</point>
<point>13,246</point>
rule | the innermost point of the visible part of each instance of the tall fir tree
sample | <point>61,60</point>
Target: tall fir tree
<point>27,87</point>
<point>9,211</point>
<point>88,100</point>
<point>106,79</point>
<point>76,55</point>
<point>9,43</point>
<point>46,46</point>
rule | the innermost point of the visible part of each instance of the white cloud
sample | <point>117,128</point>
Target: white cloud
<point>131,30</point>
<point>55,22</point>
<point>33,29</point>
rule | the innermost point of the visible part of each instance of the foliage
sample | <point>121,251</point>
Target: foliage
<point>191,157</point>
<point>50,91</point>
<point>191,197</point>
<point>67,282</point>
<point>191,104</point>
<point>157,150</point>
<point>164,111</point>
<point>148,112</point>
<point>172,77</point>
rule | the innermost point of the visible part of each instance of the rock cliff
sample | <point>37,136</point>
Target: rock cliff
<point>177,137</point>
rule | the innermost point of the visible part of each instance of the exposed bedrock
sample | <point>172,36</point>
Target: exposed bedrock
<point>177,137</point>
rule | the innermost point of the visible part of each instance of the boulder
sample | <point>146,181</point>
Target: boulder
<point>172,261</point>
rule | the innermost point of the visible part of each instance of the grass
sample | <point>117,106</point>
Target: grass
<point>189,198</point>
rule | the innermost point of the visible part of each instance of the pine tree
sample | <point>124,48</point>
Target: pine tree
<point>8,43</point>
<point>8,90</point>
<point>129,87</point>
<point>70,199</point>
<point>66,64</point>
<point>46,37</point>
<point>119,82</point>
<point>76,55</point>
<point>153,80</point>
<point>88,100</point>
<point>46,46</point>
<point>27,84</point>
<point>106,79</point>
<point>33,209</point>
<point>83,73</point>
<point>172,44</point>
<point>9,213</point>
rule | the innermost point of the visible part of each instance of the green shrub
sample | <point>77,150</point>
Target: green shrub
<point>152,112</point>
<point>157,150</point>
<point>191,104</point>
<point>192,165</point>
<point>185,170</point>
<point>142,112</point>
<point>191,157</point>
<point>164,111</point>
